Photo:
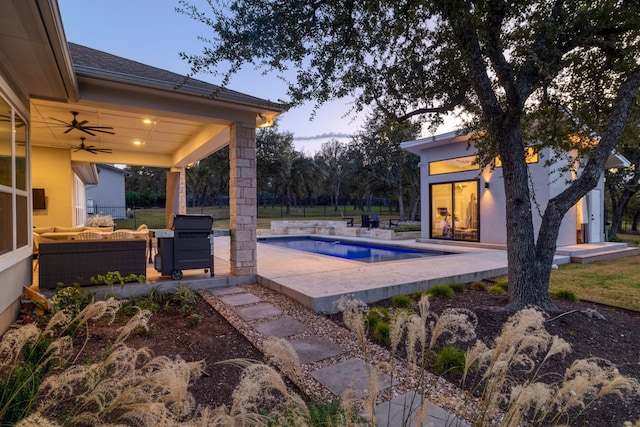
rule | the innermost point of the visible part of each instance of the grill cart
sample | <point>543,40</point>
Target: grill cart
<point>188,246</point>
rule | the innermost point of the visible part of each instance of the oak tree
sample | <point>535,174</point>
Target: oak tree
<point>500,62</point>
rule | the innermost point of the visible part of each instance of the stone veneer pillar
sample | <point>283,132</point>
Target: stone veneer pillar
<point>182,189</point>
<point>243,199</point>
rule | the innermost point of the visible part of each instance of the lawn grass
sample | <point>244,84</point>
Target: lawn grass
<point>614,282</point>
<point>155,217</point>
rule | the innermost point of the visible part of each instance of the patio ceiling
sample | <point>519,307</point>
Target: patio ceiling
<point>164,139</point>
<point>187,120</point>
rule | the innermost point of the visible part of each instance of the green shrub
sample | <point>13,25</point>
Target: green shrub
<point>155,294</point>
<point>113,277</point>
<point>183,295</point>
<point>417,295</point>
<point>376,315</point>
<point>381,333</point>
<point>401,301</point>
<point>18,390</point>
<point>194,319</point>
<point>74,297</point>
<point>503,284</point>
<point>147,304</point>
<point>441,291</point>
<point>495,289</point>
<point>479,286</point>
<point>325,414</point>
<point>449,360</point>
<point>405,228</point>
<point>457,287</point>
<point>565,295</point>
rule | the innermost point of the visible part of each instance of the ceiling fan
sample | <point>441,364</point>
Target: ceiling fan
<point>90,148</point>
<point>82,126</point>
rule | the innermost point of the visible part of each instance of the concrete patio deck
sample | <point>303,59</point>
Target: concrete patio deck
<point>319,281</point>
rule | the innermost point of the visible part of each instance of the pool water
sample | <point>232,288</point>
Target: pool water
<point>363,252</point>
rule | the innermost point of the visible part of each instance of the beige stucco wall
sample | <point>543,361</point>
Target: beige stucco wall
<point>51,170</point>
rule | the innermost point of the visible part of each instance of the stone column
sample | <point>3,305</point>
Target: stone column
<point>182,195</point>
<point>243,199</point>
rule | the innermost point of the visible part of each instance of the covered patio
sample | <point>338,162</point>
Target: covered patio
<point>69,107</point>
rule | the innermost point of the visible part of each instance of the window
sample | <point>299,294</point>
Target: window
<point>531,157</point>
<point>14,200</point>
<point>455,210</point>
<point>458,164</point>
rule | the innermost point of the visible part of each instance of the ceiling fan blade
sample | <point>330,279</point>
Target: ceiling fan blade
<point>103,131</point>
<point>81,124</point>
<point>86,131</point>
<point>97,127</point>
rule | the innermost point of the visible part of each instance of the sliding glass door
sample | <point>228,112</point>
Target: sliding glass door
<point>455,210</point>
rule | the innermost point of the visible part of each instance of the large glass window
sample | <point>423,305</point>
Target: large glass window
<point>458,164</point>
<point>14,199</point>
<point>455,210</point>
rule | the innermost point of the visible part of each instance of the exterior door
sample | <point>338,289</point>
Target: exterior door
<point>595,216</point>
<point>455,210</point>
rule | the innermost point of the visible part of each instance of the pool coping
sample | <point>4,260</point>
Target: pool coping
<point>320,281</point>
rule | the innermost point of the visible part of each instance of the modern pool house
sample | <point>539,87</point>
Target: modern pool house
<point>461,202</point>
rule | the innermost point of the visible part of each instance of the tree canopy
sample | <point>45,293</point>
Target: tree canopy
<point>525,72</point>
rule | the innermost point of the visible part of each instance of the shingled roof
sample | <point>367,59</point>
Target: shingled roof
<point>92,62</point>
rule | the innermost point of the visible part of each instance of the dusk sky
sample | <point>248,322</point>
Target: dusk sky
<point>152,32</point>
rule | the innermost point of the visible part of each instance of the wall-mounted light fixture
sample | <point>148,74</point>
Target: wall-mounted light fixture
<point>264,122</point>
<point>486,185</point>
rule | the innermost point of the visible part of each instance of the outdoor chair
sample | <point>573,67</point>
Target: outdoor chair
<point>120,235</point>
<point>88,235</point>
<point>375,220</point>
<point>348,219</point>
<point>365,221</point>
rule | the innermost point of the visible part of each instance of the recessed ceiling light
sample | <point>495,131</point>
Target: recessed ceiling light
<point>147,121</point>
<point>137,142</point>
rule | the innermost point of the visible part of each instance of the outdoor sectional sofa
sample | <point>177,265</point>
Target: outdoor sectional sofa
<point>77,261</point>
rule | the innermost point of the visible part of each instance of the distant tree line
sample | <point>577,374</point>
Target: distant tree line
<point>370,167</point>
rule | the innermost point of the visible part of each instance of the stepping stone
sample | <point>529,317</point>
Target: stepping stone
<point>403,411</point>
<point>315,348</point>
<point>240,299</point>
<point>350,374</point>
<point>284,327</point>
<point>258,311</point>
<point>227,290</point>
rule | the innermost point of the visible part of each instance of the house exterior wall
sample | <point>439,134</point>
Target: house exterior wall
<point>52,171</point>
<point>545,183</point>
<point>109,192</point>
<point>15,264</point>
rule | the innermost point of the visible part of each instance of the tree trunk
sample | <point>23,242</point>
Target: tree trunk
<point>527,270</point>
<point>619,205</point>
<point>401,212</point>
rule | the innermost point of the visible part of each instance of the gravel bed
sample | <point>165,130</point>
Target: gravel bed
<point>436,389</point>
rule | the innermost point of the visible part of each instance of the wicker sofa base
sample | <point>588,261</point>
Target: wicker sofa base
<point>77,261</point>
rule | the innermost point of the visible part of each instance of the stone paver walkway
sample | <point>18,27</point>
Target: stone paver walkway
<point>262,319</point>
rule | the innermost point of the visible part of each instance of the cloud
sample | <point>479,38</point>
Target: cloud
<point>329,135</point>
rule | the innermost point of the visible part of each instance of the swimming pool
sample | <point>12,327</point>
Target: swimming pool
<point>363,252</point>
